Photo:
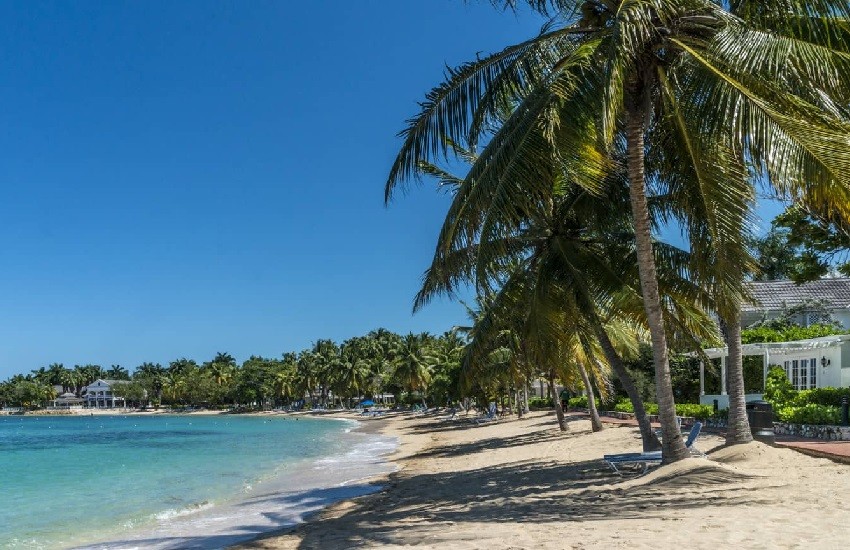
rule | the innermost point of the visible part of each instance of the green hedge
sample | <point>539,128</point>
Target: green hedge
<point>579,402</point>
<point>819,406</point>
<point>829,397</point>
<point>540,403</point>
<point>809,414</point>
<point>701,412</point>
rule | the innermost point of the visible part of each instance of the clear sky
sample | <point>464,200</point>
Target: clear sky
<point>182,178</point>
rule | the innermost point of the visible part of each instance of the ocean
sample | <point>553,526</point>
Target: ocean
<point>168,481</point>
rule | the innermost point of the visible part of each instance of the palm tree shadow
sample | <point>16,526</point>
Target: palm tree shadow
<point>522,492</point>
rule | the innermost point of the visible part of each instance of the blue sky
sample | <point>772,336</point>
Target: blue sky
<point>182,178</point>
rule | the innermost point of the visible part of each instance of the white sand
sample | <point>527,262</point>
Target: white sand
<point>524,484</point>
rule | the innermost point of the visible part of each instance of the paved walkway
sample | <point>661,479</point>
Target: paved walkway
<point>834,450</point>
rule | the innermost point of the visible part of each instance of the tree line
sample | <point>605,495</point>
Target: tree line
<point>421,368</point>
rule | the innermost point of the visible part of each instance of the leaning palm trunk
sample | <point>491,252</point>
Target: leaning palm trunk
<point>559,410</point>
<point>673,447</point>
<point>595,421</point>
<point>738,429</point>
<point>648,437</point>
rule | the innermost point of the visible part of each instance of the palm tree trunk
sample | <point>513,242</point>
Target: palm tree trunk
<point>647,436</point>
<point>525,397</point>
<point>519,408</point>
<point>738,429</point>
<point>673,447</point>
<point>595,421</point>
<point>559,410</point>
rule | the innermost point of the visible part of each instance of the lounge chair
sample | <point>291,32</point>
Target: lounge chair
<point>490,415</point>
<point>652,458</point>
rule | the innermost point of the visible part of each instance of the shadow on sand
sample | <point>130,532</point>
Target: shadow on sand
<point>522,492</point>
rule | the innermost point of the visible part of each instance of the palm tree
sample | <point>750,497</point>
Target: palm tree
<point>732,87</point>
<point>117,372</point>
<point>283,383</point>
<point>221,373</point>
<point>307,373</point>
<point>412,370</point>
<point>570,244</point>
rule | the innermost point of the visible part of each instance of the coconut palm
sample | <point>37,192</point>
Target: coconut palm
<point>283,382</point>
<point>564,240</point>
<point>412,367</point>
<point>117,372</point>
<point>735,88</point>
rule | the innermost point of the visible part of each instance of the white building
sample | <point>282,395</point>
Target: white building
<point>815,363</point>
<point>772,298</point>
<point>99,394</point>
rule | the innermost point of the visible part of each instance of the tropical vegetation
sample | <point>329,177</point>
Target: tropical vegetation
<point>414,368</point>
<point>689,106</point>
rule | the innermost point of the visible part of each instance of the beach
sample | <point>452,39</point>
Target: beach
<point>524,484</point>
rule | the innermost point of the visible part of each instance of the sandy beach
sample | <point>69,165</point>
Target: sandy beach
<point>524,484</point>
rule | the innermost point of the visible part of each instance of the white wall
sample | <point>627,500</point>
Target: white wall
<point>843,317</point>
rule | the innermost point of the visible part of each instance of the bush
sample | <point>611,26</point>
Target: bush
<point>579,402</point>
<point>624,406</point>
<point>809,414</point>
<point>540,403</point>
<point>701,412</point>
<point>778,390</point>
<point>830,397</point>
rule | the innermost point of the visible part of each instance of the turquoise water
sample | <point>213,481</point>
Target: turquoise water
<point>165,480</point>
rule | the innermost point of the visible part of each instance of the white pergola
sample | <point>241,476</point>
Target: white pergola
<point>767,350</point>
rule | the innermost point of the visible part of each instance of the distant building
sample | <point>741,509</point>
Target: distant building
<point>100,394</point>
<point>67,401</point>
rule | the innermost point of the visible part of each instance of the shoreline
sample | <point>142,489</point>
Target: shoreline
<point>284,499</point>
<point>514,484</point>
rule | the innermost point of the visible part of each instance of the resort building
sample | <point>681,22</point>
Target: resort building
<point>100,395</point>
<point>773,298</point>
<point>67,401</point>
<point>812,363</point>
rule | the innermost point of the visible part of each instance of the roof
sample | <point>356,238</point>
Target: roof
<point>776,295</point>
<point>109,383</point>
<point>779,348</point>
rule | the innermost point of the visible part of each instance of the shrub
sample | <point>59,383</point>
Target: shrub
<point>579,402</point>
<point>809,414</point>
<point>624,406</point>
<point>540,403</point>
<point>700,412</point>
<point>778,390</point>
<point>821,396</point>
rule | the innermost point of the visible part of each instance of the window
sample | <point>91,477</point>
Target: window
<point>817,318</point>
<point>795,374</point>
<point>802,373</point>
<point>813,373</point>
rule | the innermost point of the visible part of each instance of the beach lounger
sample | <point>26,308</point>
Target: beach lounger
<point>644,460</point>
<point>491,415</point>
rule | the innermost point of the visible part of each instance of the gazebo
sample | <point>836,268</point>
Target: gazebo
<point>813,363</point>
<point>67,401</point>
